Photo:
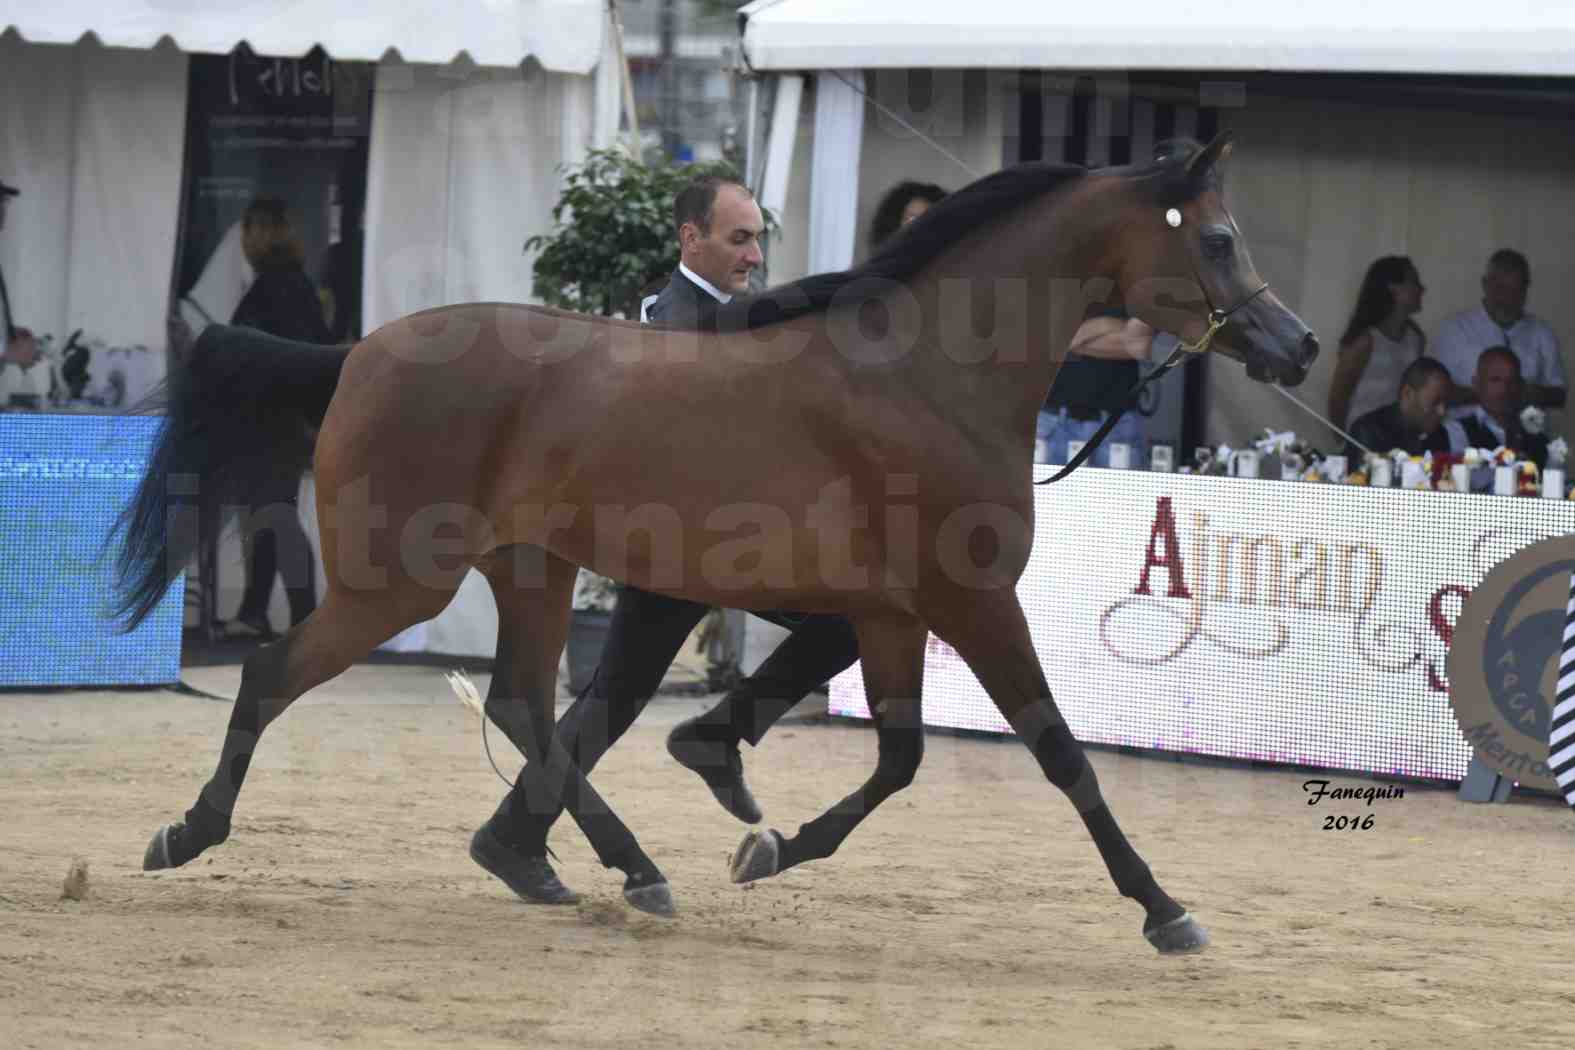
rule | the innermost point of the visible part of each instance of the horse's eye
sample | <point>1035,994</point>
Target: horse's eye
<point>1218,246</point>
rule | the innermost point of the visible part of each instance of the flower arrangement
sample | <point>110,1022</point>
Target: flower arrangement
<point>93,372</point>
<point>1528,479</point>
<point>27,381</point>
<point>1299,460</point>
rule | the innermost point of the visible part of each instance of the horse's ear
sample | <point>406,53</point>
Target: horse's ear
<point>1211,157</point>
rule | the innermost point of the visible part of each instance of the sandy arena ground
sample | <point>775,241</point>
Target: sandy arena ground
<point>971,911</point>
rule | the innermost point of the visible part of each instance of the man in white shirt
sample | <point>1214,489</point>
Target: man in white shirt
<point>1495,418</point>
<point>1502,320</point>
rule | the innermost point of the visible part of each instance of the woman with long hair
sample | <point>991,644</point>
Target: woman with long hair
<point>902,204</point>
<point>1380,342</point>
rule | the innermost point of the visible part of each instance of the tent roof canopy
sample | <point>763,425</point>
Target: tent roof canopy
<point>565,36</point>
<point>1460,37</point>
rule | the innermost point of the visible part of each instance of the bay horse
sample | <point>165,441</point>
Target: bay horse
<point>857,443</point>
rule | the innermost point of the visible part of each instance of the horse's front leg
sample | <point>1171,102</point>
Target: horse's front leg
<point>991,634</point>
<point>533,623</point>
<point>892,653</point>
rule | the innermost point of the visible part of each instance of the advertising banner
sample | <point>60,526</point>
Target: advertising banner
<point>1288,622</point>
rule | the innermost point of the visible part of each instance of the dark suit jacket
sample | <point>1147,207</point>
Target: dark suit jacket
<point>1384,429</point>
<point>1529,446</point>
<point>283,302</point>
<point>682,304</point>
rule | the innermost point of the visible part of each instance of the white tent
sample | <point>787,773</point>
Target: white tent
<point>1413,150</point>
<point>835,41</point>
<point>92,128</point>
<point>563,35</point>
<point>463,167</point>
<point>1512,37</point>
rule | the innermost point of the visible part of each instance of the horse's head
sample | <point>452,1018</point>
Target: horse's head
<point>1190,242</point>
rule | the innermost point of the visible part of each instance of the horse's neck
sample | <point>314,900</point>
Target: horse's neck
<point>1026,283</point>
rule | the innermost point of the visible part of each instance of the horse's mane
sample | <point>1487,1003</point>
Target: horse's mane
<point>946,221</point>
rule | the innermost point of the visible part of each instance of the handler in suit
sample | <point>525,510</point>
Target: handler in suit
<point>719,227</point>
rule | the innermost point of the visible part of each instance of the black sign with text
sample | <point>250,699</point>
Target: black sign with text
<point>292,128</point>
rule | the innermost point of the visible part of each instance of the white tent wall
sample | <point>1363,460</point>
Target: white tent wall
<point>834,170</point>
<point>787,258</point>
<point>465,165</point>
<point>463,168</point>
<point>94,138</point>
<point>1322,189</point>
<point>964,110</point>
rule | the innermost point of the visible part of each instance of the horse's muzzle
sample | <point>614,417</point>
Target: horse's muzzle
<point>1308,352</point>
<point>1287,369</point>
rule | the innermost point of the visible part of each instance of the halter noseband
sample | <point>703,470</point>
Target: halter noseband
<point>1217,319</point>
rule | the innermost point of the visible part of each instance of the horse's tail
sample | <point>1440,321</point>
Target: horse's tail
<point>236,413</point>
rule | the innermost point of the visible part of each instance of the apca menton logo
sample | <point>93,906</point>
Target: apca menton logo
<point>1504,660</point>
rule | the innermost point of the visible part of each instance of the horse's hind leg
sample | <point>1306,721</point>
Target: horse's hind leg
<point>341,631</point>
<point>892,653</point>
<point>533,590</point>
<point>992,636</point>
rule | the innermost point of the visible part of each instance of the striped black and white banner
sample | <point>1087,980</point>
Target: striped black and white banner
<point>1561,737</point>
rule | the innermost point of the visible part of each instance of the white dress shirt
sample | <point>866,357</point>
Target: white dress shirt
<point>700,282</point>
<point>1462,338</point>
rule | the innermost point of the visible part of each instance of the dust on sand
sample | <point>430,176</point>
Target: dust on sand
<point>970,911</point>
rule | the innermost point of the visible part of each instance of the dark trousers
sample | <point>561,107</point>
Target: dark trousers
<point>646,632</point>
<point>279,547</point>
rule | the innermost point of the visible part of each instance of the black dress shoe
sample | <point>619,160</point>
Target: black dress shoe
<point>719,765</point>
<point>529,876</point>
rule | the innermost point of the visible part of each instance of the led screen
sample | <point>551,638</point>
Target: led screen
<point>63,480</point>
<point>1290,622</point>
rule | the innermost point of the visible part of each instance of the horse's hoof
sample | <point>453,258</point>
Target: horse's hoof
<point>757,856</point>
<point>1180,936</point>
<point>159,854</point>
<point>655,898</point>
